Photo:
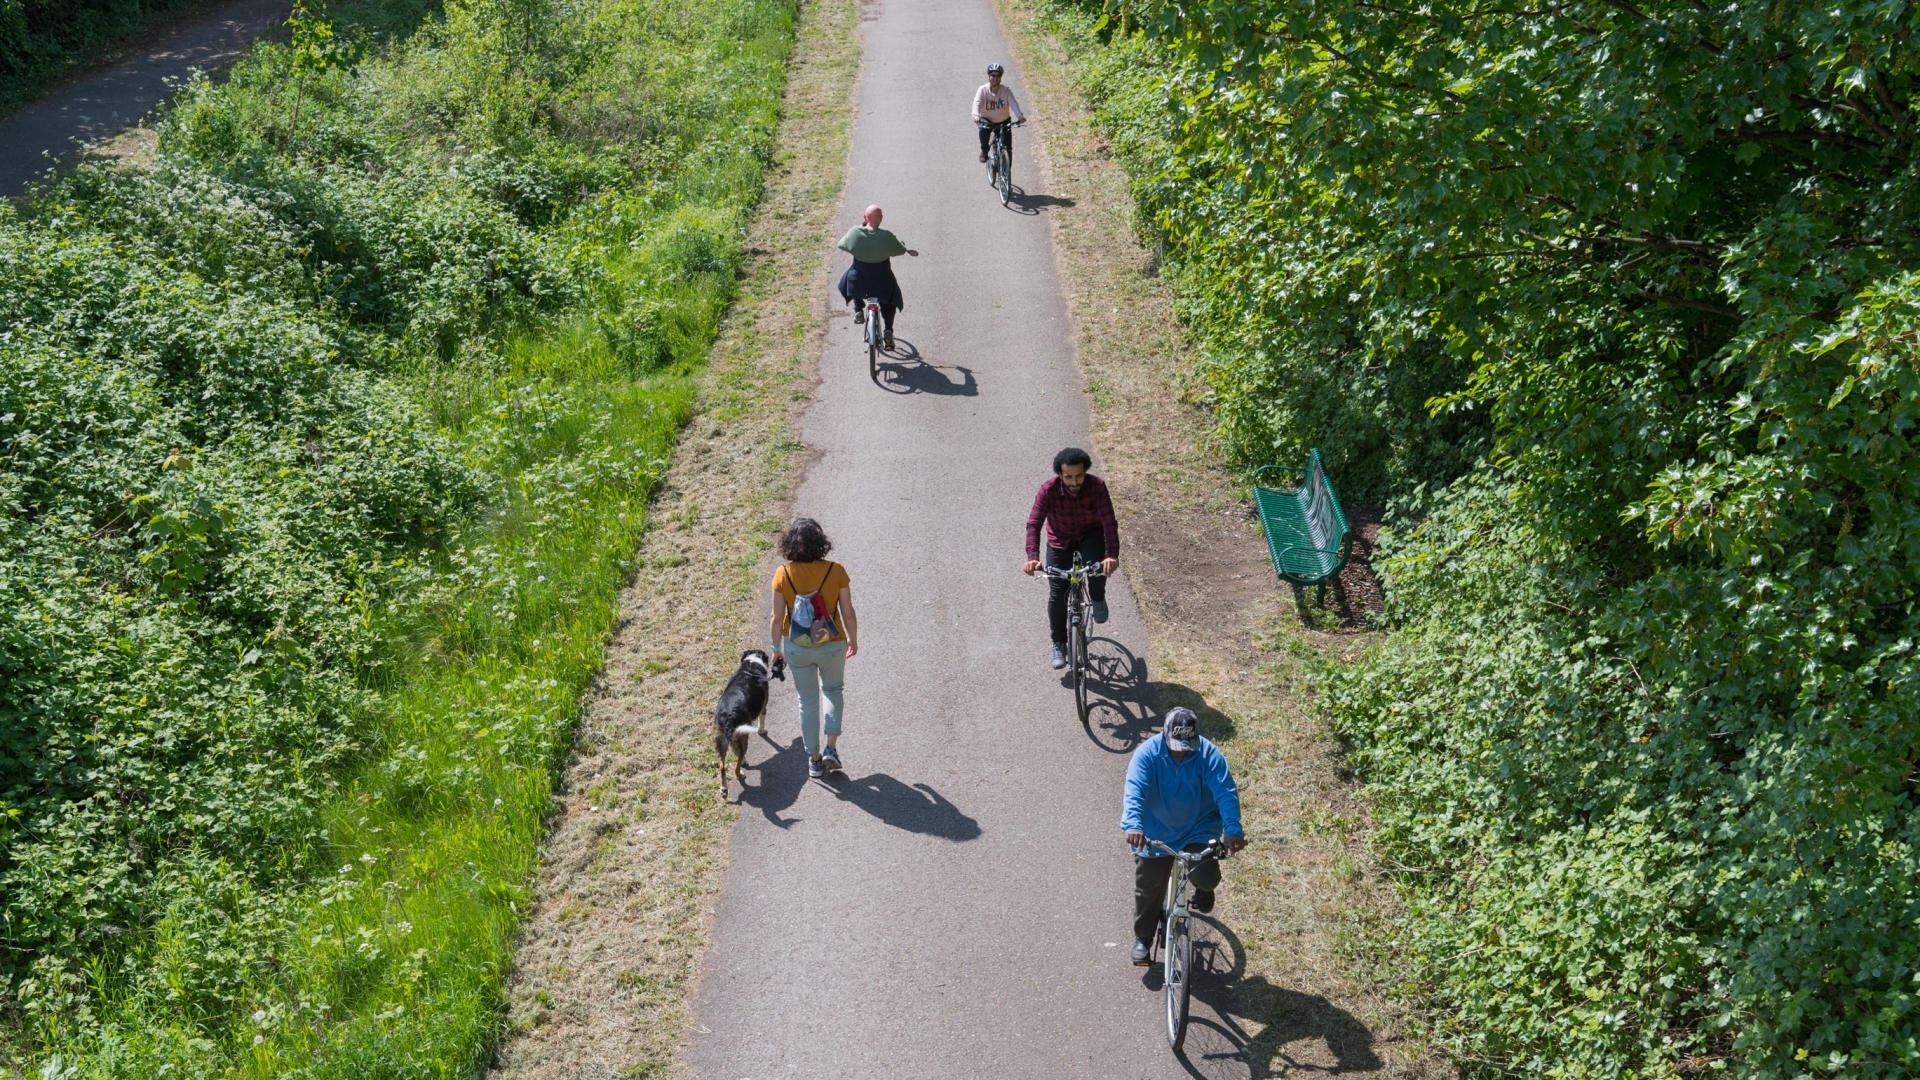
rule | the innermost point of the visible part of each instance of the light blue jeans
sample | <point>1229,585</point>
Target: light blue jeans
<point>819,673</point>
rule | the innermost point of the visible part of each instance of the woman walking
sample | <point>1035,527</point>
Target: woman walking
<point>814,627</point>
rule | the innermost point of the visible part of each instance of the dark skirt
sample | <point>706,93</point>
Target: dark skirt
<point>866,279</point>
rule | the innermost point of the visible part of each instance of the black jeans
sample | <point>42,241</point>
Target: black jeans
<point>1092,548</point>
<point>986,129</point>
<point>1150,888</point>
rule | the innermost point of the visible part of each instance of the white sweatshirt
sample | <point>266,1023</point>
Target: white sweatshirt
<point>988,105</point>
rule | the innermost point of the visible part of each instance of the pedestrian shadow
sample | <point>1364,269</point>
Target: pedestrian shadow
<point>1033,205</point>
<point>915,808</point>
<point>904,371</point>
<point>777,781</point>
<point>1297,1033</point>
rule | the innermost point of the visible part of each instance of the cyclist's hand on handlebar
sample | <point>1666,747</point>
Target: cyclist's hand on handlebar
<point>1030,567</point>
<point>1107,565</point>
<point>1136,839</point>
<point>913,253</point>
<point>1233,843</point>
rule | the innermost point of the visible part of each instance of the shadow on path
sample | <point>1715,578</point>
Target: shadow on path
<point>905,371</point>
<point>1126,706</point>
<point>776,783</point>
<point>1299,1034</point>
<point>1032,205</point>
<point>916,808</point>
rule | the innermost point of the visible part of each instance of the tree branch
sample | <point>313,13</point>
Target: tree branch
<point>1692,305</point>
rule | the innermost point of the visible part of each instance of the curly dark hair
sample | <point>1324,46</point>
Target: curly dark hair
<point>803,541</point>
<point>1072,455</point>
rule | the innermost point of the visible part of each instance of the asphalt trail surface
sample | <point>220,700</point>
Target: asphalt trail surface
<point>958,904</point>
<point>99,105</point>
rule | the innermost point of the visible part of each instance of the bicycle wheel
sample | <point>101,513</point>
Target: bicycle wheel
<point>1079,661</point>
<point>1005,177</point>
<point>1179,978</point>
<point>873,346</point>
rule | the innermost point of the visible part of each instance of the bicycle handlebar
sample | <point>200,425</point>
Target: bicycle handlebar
<point>1213,850</point>
<point>1087,570</point>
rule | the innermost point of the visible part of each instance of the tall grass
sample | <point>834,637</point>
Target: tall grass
<point>523,223</point>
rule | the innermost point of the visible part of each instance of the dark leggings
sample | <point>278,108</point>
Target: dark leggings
<point>986,129</point>
<point>1150,888</point>
<point>886,314</point>
<point>1092,548</point>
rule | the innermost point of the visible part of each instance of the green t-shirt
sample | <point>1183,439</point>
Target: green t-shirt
<point>871,245</point>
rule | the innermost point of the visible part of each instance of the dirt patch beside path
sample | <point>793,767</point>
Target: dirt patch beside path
<point>623,907</point>
<point>1226,636</point>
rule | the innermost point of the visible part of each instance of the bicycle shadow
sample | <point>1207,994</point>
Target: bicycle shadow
<point>915,808</point>
<point>1034,205</point>
<point>1118,714</point>
<point>1125,706</point>
<point>778,782</point>
<point>1297,1033</point>
<point>904,371</point>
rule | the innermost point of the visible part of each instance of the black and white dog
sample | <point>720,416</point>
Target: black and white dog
<point>743,711</point>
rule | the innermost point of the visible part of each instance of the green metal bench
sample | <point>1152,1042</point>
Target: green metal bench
<point>1306,530</point>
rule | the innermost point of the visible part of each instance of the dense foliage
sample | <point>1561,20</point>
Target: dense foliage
<point>1619,304</point>
<point>324,445</point>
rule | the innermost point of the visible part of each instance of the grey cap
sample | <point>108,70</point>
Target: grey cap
<point>1182,730</point>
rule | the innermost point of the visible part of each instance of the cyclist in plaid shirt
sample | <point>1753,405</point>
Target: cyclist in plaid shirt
<point>1078,515</point>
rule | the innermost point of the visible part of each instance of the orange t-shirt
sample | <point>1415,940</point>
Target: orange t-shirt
<point>794,580</point>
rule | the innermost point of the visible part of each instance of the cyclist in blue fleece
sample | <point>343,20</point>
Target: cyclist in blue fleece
<point>1181,793</point>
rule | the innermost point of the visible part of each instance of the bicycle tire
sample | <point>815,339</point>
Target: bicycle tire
<point>1178,978</point>
<point>1005,177</point>
<point>1079,660</point>
<point>873,346</point>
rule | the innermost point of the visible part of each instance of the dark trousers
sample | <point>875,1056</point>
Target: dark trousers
<point>1150,888</point>
<point>986,129</point>
<point>1092,548</point>
<point>886,315</point>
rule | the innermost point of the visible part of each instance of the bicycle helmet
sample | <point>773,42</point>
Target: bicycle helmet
<point>996,69</point>
<point>1182,730</point>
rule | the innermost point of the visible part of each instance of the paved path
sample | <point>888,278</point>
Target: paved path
<point>101,105</point>
<point>959,904</point>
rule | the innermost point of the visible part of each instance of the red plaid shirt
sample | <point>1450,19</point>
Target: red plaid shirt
<point>1070,517</point>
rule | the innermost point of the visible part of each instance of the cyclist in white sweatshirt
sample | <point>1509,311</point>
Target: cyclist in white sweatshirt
<point>994,106</point>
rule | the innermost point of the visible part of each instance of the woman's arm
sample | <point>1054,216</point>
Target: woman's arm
<point>777,622</point>
<point>848,619</point>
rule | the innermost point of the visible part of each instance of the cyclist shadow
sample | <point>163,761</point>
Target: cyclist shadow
<point>904,371</point>
<point>777,782</point>
<point>1296,1032</point>
<point>1125,706</point>
<point>1118,718</point>
<point>915,808</point>
<point>1034,205</point>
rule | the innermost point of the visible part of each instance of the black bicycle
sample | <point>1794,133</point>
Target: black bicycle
<point>870,310</point>
<point>1176,942</point>
<point>1076,578</point>
<point>1000,159</point>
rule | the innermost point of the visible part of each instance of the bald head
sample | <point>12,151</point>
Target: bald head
<point>870,217</point>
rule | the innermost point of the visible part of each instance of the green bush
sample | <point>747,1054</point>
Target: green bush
<point>324,445</point>
<point>1617,306</point>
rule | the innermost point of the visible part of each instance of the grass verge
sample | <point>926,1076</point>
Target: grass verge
<point>623,906</point>
<point>1226,637</point>
<point>524,269</point>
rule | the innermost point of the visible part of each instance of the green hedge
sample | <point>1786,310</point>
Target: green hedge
<point>1619,306</point>
<point>324,446</point>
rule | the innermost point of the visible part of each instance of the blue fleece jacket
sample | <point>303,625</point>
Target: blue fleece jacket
<point>1180,803</point>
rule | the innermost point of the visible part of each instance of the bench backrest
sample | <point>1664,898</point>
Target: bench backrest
<point>1306,529</point>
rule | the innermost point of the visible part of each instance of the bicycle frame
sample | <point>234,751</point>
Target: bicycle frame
<point>1076,578</point>
<point>1177,937</point>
